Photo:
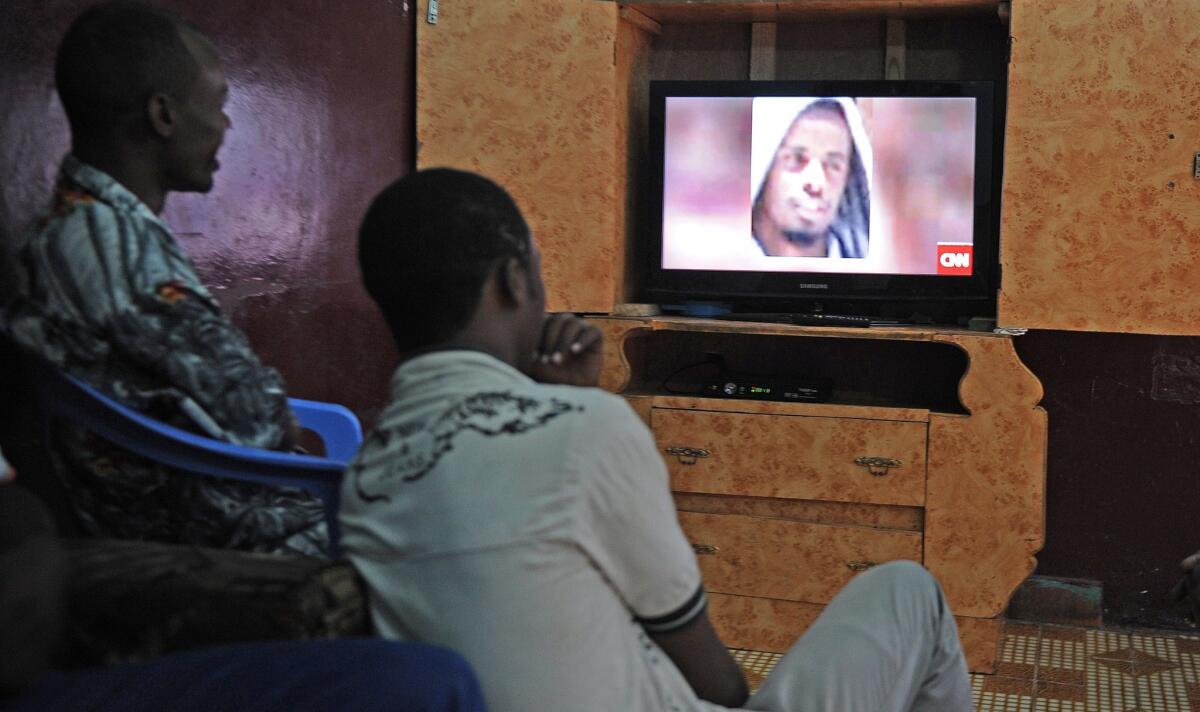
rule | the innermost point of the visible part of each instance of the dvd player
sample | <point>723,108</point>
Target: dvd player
<point>807,390</point>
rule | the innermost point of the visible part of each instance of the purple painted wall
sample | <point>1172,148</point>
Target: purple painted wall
<point>1122,490</point>
<point>322,109</point>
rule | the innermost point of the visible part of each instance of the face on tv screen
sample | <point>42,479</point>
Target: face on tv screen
<point>879,185</point>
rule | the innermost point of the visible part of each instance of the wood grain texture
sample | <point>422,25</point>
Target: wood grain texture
<point>760,623</point>
<point>729,326</point>
<point>635,36</point>
<point>635,33</point>
<point>792,457</point>
<point>718,326</point>
<point>1094,238</point>
<point>526,93</point>
<point>642,406</point>
<point>825,410</point>
<point>985,493</point>
<point>614,366</point>
<point>793,10</point>
<point>980,638</point>
<point>794,561</point>
<point>846,513</point>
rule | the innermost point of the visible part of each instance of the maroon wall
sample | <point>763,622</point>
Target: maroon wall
<point>1123,489</point>
<point>322,109</point>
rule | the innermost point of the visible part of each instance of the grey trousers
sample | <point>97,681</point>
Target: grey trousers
<point>886,643</point>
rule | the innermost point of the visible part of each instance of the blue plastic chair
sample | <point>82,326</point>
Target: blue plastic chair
<point>66,398</point>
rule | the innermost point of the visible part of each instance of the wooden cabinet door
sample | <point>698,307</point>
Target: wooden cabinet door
<point>1101,211</point>
<point>525,93</point>
<point>794,561</point>
<point>793,457</point>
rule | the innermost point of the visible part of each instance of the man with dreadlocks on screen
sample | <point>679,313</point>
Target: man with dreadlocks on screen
<point>811,188</point>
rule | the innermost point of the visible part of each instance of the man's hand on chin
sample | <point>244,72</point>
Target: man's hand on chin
<point>568,352</point>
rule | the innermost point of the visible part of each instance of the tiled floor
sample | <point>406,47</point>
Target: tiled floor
<point>1045,668</point>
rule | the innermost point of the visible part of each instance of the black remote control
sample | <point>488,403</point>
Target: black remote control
<point>798,318</point>
<point>768,317</point>
<point>830,320</point>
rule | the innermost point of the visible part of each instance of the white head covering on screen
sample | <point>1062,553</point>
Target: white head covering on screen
<point>772,118</point>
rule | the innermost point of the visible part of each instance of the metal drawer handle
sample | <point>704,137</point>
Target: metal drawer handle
<point>860,565</point>
<point>687,455</point>
<point>877,466</point>
<point>705,549</point>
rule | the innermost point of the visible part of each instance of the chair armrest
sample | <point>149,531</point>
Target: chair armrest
<point>197,454</point>
<point>336,424</point>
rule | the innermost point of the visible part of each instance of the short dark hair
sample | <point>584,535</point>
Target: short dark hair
<point>114,57</point>
<point>426,247</point>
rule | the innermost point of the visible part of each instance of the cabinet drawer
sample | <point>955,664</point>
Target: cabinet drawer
<point>764,624</point>
<point>794,457</point>
<point>783,559</point>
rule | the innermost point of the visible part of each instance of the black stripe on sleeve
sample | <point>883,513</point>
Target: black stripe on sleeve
<point>679,617</point>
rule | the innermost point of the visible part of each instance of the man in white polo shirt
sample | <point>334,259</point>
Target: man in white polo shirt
<point>507,509</point>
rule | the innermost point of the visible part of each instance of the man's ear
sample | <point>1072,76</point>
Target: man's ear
<point>513,281</point>
<point>162,115</point>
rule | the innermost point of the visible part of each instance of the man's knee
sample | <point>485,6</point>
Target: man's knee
<point>903,573</point>
<point>903,579</point>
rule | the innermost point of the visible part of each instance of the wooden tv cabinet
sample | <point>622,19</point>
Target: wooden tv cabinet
<point>931,447</point>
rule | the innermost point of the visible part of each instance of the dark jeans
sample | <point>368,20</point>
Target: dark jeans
<point>364,675</point>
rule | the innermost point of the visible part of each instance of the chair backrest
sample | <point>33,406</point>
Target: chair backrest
<point>63,397</point>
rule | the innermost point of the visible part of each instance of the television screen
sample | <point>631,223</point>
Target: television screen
<point>831,182</point>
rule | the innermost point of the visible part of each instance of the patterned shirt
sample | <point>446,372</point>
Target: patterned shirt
<point>529,527</point>
<point>105,293</point>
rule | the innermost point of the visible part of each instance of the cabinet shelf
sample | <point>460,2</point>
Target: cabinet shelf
<point>838,409</point>
<point>876,368</point>
<point>704,11</point>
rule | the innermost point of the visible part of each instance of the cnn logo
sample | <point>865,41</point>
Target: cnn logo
<point>954,259</point>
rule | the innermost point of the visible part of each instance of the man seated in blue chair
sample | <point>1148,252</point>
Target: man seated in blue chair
<point>106,293</point>
<point>506,509</point>
<point>360,674</point>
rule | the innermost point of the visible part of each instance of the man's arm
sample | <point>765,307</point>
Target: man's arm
<point>704,661</point>
<point>631,531</point>
<point>177,338</point>
<point>569,352</point>
<point>114,300</point>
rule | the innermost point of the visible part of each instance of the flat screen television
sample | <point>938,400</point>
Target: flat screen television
<point>868,198</point>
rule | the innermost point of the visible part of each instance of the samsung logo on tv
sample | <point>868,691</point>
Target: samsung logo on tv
<point>811,285</point>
